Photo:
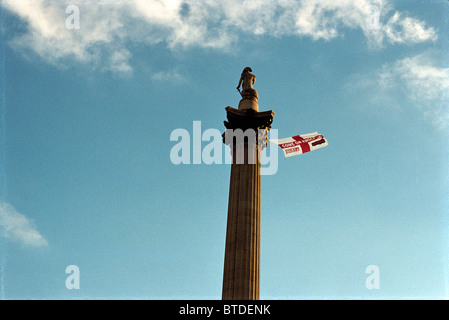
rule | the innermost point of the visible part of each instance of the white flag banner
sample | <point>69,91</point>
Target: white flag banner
<point>301,144</point>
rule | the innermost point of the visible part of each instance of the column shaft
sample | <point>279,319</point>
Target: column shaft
<point>241,274</point>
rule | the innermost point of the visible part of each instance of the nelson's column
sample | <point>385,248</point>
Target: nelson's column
<point>246,135</point>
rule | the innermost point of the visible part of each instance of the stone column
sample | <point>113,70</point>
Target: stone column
<point>241,274</point>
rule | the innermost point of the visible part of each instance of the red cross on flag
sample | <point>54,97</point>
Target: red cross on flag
<point>301,144</point>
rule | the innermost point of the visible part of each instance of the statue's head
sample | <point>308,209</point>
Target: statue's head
<point>247,69</point>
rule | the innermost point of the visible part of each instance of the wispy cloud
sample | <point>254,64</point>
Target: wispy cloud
<point>402,29</point>
<point>426,83</point>
<point>19,228</point>
<point>171,76</point>
<point>420,80</point>
<point>107,28</point>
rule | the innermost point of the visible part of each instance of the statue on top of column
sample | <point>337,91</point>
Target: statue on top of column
<point>247,79</point>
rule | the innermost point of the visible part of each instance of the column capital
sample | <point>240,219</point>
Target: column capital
<point>248,119</point>
<point>247,145</point>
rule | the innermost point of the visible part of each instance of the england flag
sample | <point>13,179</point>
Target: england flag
<point>301,144</point>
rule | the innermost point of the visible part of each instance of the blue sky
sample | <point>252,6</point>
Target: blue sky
<point>87,114</point>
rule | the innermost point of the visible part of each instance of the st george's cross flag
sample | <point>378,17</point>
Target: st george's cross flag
<point>301,144</point>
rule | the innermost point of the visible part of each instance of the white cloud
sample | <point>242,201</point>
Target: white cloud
<point>324,19</point>
<point>400,29</point>
<point>426,83</point>
<point>107,28</point>
<point>414,82</point>
<point>19,228</point>
<point>327,19</point>
<point>101,32</point>
<point>171,76</point>
<point>118,61</point>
